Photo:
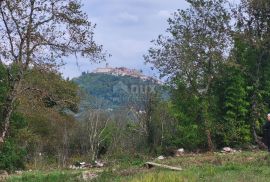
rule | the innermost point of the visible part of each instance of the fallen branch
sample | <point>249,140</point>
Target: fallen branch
<point>152,164</point>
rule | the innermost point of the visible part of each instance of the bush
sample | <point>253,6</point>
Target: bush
<point>11,156</point>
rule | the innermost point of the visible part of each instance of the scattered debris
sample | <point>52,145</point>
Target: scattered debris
<point>99,164</point>
<point>87,175</point>
<point>161,157</point>
<point>84,165</point>
<point>80,165</point>
<point>152,164</point>
<point>229,150</point>
<point>179,152</point>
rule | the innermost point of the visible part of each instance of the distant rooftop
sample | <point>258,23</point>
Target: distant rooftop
<point>123,71</point>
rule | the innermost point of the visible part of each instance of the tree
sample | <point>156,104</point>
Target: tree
<point>45,104</point>
<point>194,50</point>
<point>39,34</point>
<point>188,131</point>
<point>232,92</point>
<point>93,132</point>
<point>253,19</point>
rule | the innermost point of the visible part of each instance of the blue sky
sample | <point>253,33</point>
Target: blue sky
<point>125,29</point>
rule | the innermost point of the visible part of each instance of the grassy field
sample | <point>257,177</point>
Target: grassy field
<point>244,166</point>
<point>38,176</point>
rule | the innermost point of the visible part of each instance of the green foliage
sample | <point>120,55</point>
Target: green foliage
<point>187,132</point>
<point>55,92</point>
<point>216,99</point>
<point>233,126</point>
<point>3,84</point>
<point>12,157</point>
<point>39,123</point>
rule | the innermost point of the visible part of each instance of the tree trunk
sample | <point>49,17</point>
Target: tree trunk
<point>207,125</point>
<point>255,114</point>
<point>8,109</point>
<point>258,140</point>
<point>209,141</point>
<point>6,115</point>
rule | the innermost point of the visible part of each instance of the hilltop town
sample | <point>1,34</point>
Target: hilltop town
<point>123,71</point>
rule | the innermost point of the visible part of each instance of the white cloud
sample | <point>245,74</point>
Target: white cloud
<point>130,47</point>
<point>125,29</point>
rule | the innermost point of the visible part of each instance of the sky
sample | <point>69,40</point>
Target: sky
<point>125,28</point>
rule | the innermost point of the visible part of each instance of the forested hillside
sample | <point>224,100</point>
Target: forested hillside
<point>107,91</point>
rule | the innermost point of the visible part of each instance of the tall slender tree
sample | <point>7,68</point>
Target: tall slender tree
<point>196,45</point>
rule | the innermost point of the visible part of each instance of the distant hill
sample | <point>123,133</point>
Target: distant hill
<point>109,90</point>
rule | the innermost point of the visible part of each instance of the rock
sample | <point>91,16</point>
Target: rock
<point>228,150</point>
<point>179,152</point>
<point>161,157</point>
<point>99,164</point>
<point>87,175</point>
<point>82,163</point>
<point>3,175</point>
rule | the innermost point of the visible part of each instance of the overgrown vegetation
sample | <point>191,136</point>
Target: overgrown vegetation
<point>245,166</point>
<point>216,63</point>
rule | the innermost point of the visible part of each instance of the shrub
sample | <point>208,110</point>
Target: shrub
<point>11,156</point>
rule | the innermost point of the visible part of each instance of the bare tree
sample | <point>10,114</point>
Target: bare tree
<point>40,33</point>
<point>94,125</point>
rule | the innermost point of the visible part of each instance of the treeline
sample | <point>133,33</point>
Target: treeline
<point>47,129</point>
<point>216,59</point>
<point>39,124</point>
<point>36,36</point>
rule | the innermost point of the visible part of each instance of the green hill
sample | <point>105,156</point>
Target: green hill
<point>109,91</point>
